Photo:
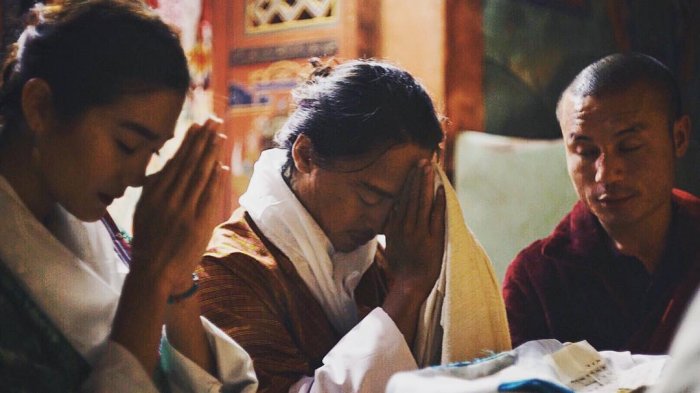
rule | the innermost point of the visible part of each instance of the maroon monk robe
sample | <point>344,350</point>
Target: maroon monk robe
<point>573,285</point>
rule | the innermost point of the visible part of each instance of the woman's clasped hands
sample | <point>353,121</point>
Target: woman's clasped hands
<point>179,208</point>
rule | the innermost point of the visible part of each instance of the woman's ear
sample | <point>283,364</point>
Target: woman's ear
<point>37,106</point>
<point>302,151</point>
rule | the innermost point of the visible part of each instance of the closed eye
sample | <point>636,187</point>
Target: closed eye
<point>586,152</point>
<point>126,149</point>
<point>370,199</point>
<point>630,147</point>
<point>373,195</point>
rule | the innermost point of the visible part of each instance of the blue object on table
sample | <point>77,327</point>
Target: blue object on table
<point>534,386</point>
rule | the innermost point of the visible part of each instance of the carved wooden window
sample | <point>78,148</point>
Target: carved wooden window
<point>273,15</point>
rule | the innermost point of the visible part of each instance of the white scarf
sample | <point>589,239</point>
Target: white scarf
<point>68,267</point>
<point>331,276</point>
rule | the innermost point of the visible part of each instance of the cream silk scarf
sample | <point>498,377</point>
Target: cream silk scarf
<point>464,316</point>
<point>331,276</point>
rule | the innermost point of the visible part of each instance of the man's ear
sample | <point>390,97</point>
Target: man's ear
<point>37,106</point>
<point>681,135</point>
<point>302,152</point>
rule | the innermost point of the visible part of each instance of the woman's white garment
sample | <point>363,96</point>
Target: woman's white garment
<point>680,374</point>
<point>464,316</point>
<point>71,271</point>
<point>373,349</point>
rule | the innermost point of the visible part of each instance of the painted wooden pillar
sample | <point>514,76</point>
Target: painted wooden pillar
<point>464,53</point>
<point>262,51</point>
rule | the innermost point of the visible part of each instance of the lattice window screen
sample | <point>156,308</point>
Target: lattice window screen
<point>268,15</point>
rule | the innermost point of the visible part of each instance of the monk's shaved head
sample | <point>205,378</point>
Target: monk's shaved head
<point>619,72</point>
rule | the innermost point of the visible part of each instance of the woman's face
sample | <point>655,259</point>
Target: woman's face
<point>89,161</point>
<point>352,207</point>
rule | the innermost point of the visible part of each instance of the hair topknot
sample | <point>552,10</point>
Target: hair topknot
<point>321,69</point>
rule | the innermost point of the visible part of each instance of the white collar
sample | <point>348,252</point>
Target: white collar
<point>68,267</point>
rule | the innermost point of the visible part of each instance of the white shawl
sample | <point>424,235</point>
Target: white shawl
<point>70,269</point>
<point>331,276</point>
<point>464,316</point>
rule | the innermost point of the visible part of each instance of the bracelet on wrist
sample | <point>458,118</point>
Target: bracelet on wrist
<point>172,299</point>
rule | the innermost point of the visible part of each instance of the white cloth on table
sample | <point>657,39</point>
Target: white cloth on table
<point>681,376</point>
<point>70,269</point>
<point>622,371</point>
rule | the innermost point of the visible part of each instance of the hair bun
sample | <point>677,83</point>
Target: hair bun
<point>321,69</point>
<point>36,15</point>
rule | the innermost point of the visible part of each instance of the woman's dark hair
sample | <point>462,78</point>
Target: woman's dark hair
<point>620,71</point>
<point>358,107</point>
<point>90,53</point>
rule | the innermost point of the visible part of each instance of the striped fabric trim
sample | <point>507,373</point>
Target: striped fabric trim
<point>120,239</point>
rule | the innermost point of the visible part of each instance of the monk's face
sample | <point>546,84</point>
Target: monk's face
<point>621,150</point>
<point>350,199</point>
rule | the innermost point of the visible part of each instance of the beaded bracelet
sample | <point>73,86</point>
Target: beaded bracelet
<point>172,299</point>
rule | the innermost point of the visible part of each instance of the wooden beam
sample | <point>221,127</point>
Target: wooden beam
<point>464,74</point>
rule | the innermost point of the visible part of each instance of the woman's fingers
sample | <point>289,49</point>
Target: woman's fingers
<point>175,217</point>
<point>206,169</point>
<point>178,187</point>
<point>197,165</point>
<point>212,192</point>
<point>164,179</point>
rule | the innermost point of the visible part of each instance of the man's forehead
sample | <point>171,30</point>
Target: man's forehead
<point>612,112</point>
<point>389,170</point>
